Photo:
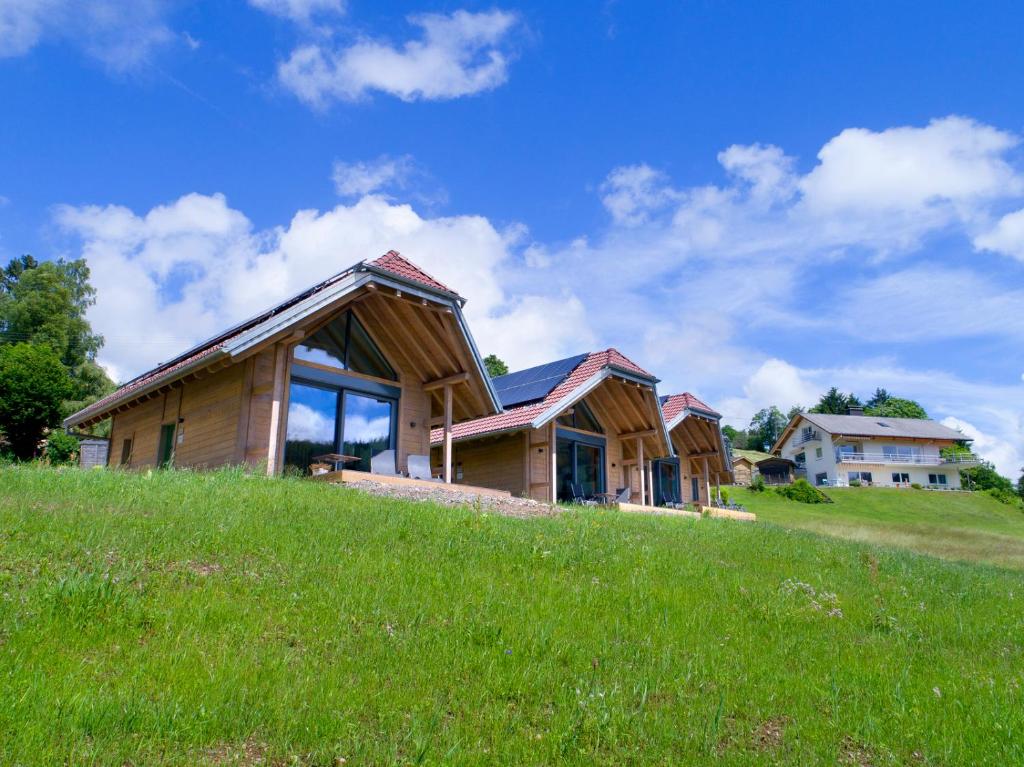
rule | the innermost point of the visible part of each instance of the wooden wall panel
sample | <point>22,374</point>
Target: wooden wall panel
<point>210,408</point>
<point>496,463</point>
<point>141,424</point>
<point>413,408</point>
<point>258,431</point>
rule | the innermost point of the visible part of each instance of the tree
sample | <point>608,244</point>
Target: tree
<point>33,384</point>
<point>765,427</point>
<point>495,366</point>
<point>985,477</point>
<point>879,398</point>
<point>45,304</point>
<point>835,402</point>
<point>1020,485</point>
<point>794,411</point>
<point>896,407</point>
<point>736,437</point>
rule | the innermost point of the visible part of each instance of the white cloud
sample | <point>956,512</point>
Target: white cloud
<point>355,179</point>
<point>299,11</point>
<point>459,54</point>
<point>1008,457</point>
<point>186,270</point>
<point>305,423</point>
<point>120,35</point>
<point>951,160</point>
<point>1006,237</point>
<point>767,170</point>
<point>631,193</point>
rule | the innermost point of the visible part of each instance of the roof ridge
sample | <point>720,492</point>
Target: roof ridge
<point>407,269</point>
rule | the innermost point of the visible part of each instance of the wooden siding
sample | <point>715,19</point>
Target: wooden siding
<point>495,463</point>
<point>257,414</point>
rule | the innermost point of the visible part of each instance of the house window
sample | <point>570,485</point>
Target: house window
<point>800,458</point>
<point>901,453</point>
<point>817,452</point>
<point>582,418</point>
<point>331,417</point>
<point>821,479</point>
<point>344,343</point>
<point>901,478</point>
<point>864,477</point>
<point>936,479</point>
<point>580,462</point>
<point>126,452</point>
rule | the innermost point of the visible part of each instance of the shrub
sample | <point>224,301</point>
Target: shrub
<point>917,486</point>
<point>1004,496</point>
<point>723,494</point>
<point>854,483</point>
<point>61,448</point>
<point>803,491</point>
<point>757,484</point>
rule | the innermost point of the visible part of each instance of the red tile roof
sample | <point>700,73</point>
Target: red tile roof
<point>393,262</point>
<point>519,417</point>
<point>675,404</point>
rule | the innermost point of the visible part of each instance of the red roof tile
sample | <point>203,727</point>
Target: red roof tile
<point>677,403</point>
<point>393,262</point>
<point>519,417</point>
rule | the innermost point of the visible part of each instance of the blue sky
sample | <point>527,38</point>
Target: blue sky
<point>754,200</point>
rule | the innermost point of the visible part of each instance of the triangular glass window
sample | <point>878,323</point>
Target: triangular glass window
<point>581,417</point>
<point>344,343</point>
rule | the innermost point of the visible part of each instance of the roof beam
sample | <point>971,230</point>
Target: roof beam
<point>446,381</point>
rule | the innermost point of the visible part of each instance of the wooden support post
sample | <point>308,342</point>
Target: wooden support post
<point>448,433</point>
<point>718,489</point>
<point>640,468</point>
<point>707,482</point>
<point>650,480</point>
<point>274,448</point>
<point>553,458</point>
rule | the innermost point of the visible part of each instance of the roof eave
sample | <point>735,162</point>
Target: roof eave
<point>90,413</point>
<point>411,284</point>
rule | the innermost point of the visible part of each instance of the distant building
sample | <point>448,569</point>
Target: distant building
<point>872,450</point>
<point>747,464</point>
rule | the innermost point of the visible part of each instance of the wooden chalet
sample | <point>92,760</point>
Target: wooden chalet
<point>360,366</point>
<point>697,439</point>
<point>581,426</point>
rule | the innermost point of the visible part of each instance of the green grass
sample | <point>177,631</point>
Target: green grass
<point>972,527</point>
<point>216,619</point>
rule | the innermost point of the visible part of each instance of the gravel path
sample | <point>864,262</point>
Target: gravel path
<point>510,507</point>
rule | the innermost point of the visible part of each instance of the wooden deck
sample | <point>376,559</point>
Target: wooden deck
<point>636,508</point>
<point>349,475</point>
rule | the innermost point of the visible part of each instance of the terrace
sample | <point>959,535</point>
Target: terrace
<point>907,458</point>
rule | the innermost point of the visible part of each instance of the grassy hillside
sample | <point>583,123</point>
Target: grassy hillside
<point>220,619</point>
<point>962,526</point>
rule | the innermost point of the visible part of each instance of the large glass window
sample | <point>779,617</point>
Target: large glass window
<point>366,426</point>
<point>581,417</point>
<point>901,453</point>
<point>344,343</point>
<point>312,423</point>
<point>580,463</point>
<point>325,418</point>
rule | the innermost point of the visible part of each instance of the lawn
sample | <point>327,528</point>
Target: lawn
<point>970,527</point>
<point>185,619</point>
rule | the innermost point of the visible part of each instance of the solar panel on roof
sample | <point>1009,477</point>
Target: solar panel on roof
<point>534,383</point>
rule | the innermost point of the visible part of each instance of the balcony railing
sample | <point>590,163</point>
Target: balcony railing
<point>807,436</point>
<point>963,459</point>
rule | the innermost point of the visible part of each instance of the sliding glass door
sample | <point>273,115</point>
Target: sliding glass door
<point>580,462</point>
<point>366,427</point>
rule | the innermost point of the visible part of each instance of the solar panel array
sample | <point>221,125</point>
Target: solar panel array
<point>534,384</point>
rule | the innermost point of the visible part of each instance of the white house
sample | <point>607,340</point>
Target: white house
<point>890,452</point>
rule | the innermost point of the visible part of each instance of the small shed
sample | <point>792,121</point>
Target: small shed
<point>744,465</point>
<point>92,451</point>
<point>776,470</point>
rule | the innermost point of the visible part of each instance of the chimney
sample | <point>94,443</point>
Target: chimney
<point>855,410</point>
